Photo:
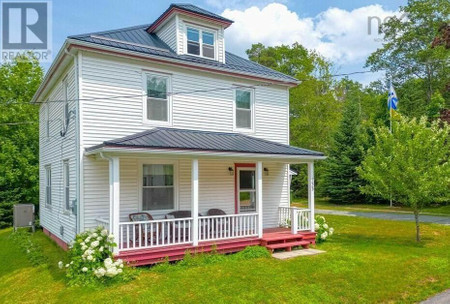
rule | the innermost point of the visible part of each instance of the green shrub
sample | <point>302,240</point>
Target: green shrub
<point>252,252</point>
<point>33,251</point>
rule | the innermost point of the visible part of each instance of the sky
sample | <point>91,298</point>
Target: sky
<point>337,29</point>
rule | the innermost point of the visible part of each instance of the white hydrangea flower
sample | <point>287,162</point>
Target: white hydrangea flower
<point>94,244</point>
<point>104,232</point>
<point>111,237</point>
<point>100,272</point>
<point>331,231</point>
<point>99,238</point>
<point>94,235</point>
<point>84,247</point>
<point>100,249</point>
<point>119,270</point>
<point>324,235</point>
<point>111,272</point>
<point>316,226</point>
<point>90,257</point>
<point>60,264</point>
<point>325,226</point>
<point>67,265</point>
<point>84,269</point>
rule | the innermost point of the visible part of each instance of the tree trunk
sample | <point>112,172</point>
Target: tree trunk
<point>416,216</point>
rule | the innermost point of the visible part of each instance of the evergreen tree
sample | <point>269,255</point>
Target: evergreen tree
<point>341,182</point>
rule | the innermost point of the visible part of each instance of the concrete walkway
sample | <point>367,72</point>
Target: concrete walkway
<point>441,298</point>
<point>444,220</point>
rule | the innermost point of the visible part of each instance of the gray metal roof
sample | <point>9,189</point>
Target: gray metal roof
<point>181,139</point>
<point>195,9</point>
<point>137,39</point>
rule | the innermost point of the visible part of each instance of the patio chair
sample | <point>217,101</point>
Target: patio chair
<point>214,226</point>
<point>139,217</point>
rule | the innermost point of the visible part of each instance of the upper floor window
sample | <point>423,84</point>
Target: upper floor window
<point>243,109</point>
<point>66,103</point>
<point>200,42</point>
<point>157,106</point>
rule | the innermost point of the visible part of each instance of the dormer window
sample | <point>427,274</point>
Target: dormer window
<point>200,42</point>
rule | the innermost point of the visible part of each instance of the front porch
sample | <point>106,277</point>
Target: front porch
<point>198,197</point>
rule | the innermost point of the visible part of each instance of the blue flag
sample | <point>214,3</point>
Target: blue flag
<point>392,100</point>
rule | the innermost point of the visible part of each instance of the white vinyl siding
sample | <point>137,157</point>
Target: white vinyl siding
<point>65,103</point>
<point>196,102</point>
<point>54,149</point>
<point>168,33</point>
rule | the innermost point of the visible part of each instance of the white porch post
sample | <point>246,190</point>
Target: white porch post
<point>311,193</point>
<point>259,197</point>
<point>194,201</point>
<point>294,220</point>
<point>114,189</point>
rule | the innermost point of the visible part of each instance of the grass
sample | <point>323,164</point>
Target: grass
<point>320,203</point>
<point>367,261</point>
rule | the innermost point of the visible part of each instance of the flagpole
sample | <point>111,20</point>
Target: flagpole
<point>390,130</point>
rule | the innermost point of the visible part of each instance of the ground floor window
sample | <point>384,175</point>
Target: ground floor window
<point>158,191</point>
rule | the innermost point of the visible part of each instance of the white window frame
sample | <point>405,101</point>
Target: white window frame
<point>150,122</point>
<point>66,185</point>
<point>175,185</point>
<point>200,40</point>
<point>239,190</point>
<point>48,186</point>
<point>252,108</point>
<point>47,119</point>
<point>65,109</point>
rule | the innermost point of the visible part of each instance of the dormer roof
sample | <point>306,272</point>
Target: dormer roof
<point>188,9</point>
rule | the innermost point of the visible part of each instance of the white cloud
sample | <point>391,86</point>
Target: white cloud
<point>339,35</point>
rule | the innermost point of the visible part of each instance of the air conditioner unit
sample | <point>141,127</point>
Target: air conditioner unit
<point>23,216</point>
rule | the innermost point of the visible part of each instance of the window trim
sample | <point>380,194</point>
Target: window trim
<point>175,185</point>
<point>66,185</point>
<point>47,120</point>
<point>200,40</point>
<point>65,109</point>
<point>48,186</point>
<point>151,122</point>
<point>252,108</point>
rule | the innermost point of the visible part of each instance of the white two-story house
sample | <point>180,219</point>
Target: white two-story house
<point>159,134</point>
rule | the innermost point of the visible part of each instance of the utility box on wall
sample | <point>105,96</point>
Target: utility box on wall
<point>23,216</point>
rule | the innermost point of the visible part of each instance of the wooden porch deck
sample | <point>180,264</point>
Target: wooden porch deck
<point>273,238</point>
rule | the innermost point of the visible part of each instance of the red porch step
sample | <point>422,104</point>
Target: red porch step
<point>288,245</point>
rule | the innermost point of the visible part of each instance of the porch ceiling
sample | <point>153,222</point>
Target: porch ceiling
<point>203,143</point>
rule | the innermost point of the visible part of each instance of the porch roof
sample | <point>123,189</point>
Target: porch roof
<point>191,141</point>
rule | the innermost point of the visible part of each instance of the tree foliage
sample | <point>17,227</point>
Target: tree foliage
<point>19,144</point>
<point>410,165</point>
<point>341,181</point>
<point>408,55</point>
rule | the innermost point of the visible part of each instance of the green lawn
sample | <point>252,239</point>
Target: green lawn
<point>367,261</point>
<point>325,204</point>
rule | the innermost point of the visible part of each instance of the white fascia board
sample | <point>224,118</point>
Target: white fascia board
<point>291,159</point>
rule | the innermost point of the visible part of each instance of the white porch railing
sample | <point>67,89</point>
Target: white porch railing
<point>149,234</point>
<point>221,227</point>
<point>297,219</point>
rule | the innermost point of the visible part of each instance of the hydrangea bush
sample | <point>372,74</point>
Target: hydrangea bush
<point>91,259</point>
<point>323,230</point>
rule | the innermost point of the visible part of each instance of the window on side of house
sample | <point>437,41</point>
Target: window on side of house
<point>158,187</point>
<point>65,103</point>
<point>47,119</point>
<point>48,185</point>
<point>66,182</point>
<point>244,109</point>
<point>157,105</point>
<point>200,42</point>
